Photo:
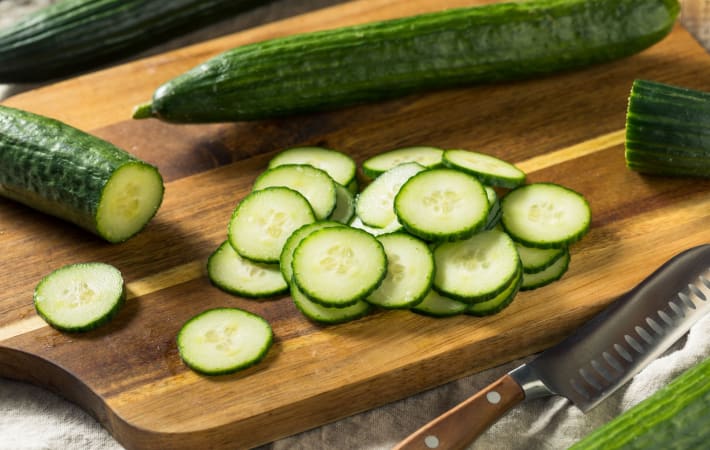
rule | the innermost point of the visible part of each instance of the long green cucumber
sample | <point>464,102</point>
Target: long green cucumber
<point>668,130</point>
<point>674,417</point>
<point>60,170</point>
<point>73,35</point>
<point>335,68</point>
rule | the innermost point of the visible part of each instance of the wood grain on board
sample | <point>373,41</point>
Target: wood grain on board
<point>565,128</point>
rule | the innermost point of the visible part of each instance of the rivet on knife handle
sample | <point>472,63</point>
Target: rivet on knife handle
<point>458,427</point>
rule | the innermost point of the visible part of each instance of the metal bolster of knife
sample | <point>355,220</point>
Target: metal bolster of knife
<point>635,329</point>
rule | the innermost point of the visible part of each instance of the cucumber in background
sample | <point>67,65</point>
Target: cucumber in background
<point>667,129</point>
<point>60,170</point>
<point>371,62</point>
<point>70,36</point>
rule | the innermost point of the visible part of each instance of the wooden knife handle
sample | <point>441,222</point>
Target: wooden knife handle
<point>460,426</point>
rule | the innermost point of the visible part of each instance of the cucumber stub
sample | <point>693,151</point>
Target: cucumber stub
<point>224,340</point>
<point>80,297</point>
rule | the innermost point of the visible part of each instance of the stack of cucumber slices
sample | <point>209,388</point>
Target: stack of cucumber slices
<point>438,232</point>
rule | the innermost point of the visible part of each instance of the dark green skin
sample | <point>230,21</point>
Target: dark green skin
<point>55,168</point>
<point>668,130</point>
<point>74,35</point>
<point>336,68</point>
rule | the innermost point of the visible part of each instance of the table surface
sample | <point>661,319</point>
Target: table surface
<point>31,418</point>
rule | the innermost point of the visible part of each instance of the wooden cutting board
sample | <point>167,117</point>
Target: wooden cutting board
<point>566,128</point>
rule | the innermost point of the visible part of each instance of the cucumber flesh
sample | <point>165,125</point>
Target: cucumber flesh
<point>80,297</point>
<point>286,256</point>
<point>475,269</point>
<point>344,210</point>
<point>538,259</point>
<point>545,215</point>
<point>442,204</point>
<point>391,228</point>
<point>314,184</point>
<point>552,273</point>
<point>436,305</point>
<point>339,166</point>
<point>129,200</point>
<point>338,266</point>
<point>499,302</point>
<point>375,204</point>
<point>239,276</point>
<point>224,340</point>
<point>488,169</point>
<point>327,315</point>
<point>410,270</point>
<point>427,157</point>
<point>263,221</point>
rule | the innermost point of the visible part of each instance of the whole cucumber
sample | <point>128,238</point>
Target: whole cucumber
<point>65,172</point>
<point>340,67</point>
<point>74,35</point>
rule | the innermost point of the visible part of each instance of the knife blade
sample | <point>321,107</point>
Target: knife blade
<point>595,360</point>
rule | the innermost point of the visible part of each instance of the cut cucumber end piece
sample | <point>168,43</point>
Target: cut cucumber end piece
<point>545,215</point>
<point>442,204</point>
<point>488,169</point>
<point>129,200</point>
<point>224,340</point>
<point>80,297</point>
<point>339,266</point>
<point>263,221</point>
<point>427,157</point>
<point>236,275</point>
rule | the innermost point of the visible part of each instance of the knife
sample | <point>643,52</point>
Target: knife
<point>595,360</point>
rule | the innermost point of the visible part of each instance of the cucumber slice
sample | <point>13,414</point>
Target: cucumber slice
<point>344,210</point>
<point>314,184</point>
<point>543,278</point>
<point>375,204</point>
<point>327,315</point>
<point>263,221</point>
<point>339,266</point>
<point>428,157</point>
<point>545,215</point>
<point>391,228</point>
<point>538,259</point>
<point>80,297</point>
<point>499,302</point>
<point>410,270</point>
<point>494,211</point>
<point>488,169</point>
<point>286,257</point>
<point>442,204</point>
<point>224,340</point>
<point>476,269</point>
<point>436,305</point>
<point>339,166</point>
<point>239,276</point>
